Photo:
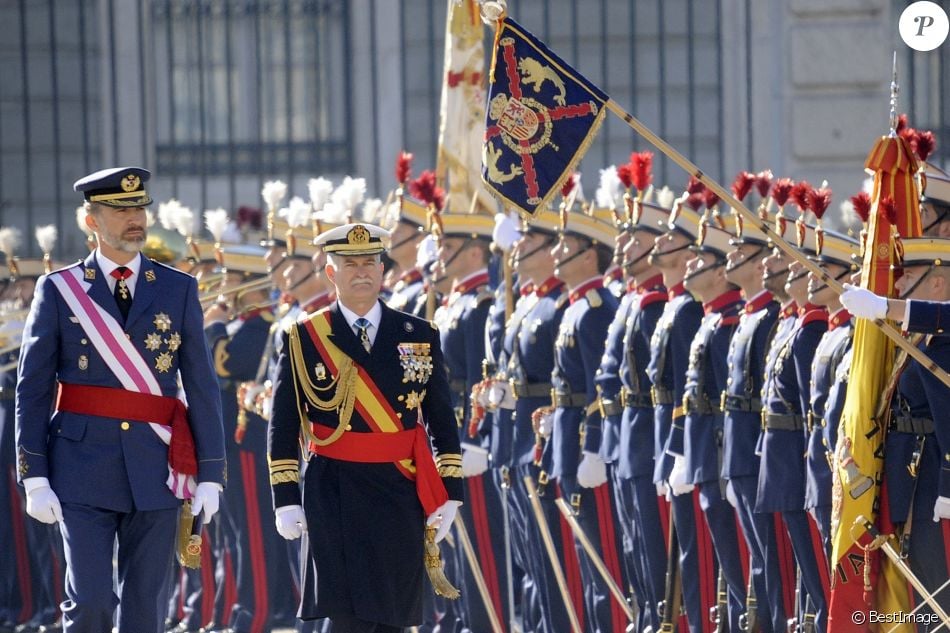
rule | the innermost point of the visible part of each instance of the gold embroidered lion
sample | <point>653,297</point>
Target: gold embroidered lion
<point>533,73</point>
<point>491,157</point>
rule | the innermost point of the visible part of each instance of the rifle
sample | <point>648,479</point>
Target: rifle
<point>669,608</point>
<point>719,613</point>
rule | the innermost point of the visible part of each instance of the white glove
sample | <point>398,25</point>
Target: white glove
<point>678,482</point>
<point>291,521</point>
<point>443,518</point>
<point>662,489</point>
<point>546,424</point>
<point>731,495</point>
<point>863,303</point>
<point>499,396</point>
<point>592,471</point>
<point>41,502</point>
<point>941,509</point>
<point>207,498</point>
<point>474,460</point>
<point>506,232</point>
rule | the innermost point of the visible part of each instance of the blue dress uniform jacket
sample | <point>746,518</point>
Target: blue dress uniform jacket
<point>609,384</point>
<point>96,461</point>
<point>406,291</point>
<point>669,359</point>
<point>928,317</point>
<point>824,373</point>
<point>743,404</point>
<point>366,520</point>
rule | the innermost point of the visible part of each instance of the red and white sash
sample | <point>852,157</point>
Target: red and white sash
<point>120,356</point>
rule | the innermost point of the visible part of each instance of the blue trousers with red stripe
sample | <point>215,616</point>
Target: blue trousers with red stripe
<point>772,563</point>
<point>698,566</point>
<point>812,562</point>
<point>652,517</point>
<point>597,515</point>
<point>731,552</point>
<point>482,515</point>
<point>634,559</point>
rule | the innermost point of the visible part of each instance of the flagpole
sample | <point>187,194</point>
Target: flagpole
<point>786,248</point>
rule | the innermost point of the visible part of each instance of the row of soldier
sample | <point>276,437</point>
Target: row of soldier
<point>673,377</point>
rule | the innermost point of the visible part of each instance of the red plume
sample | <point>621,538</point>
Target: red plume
<point>763,182</point>
<point>862,205</point>
<point>901,123</point>
<point>888,209</point>
<point>926,144</point>
<point>910,135</point>
<point>694,201</point>
<point>425,188</point>
<point>710,198</point>
<point>799,195</point>
<point>781,190</point>
<point>568,186</point>
<point>743,184</point>
<point>625,174</point>
<point>818,201</point>
<point>403,167</point>
<point>694,185</point>
<point>641,164</point>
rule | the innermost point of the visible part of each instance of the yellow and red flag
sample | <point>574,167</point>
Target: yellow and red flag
<point>462,110</point>
<point>863,581</point>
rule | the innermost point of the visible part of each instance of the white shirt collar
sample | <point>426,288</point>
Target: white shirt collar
<point>373,316</point>
<point>106,265</point>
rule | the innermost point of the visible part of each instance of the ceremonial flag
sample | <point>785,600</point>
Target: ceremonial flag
<point>863,581</point>
<point>542,116</point>
<point>462,110</point>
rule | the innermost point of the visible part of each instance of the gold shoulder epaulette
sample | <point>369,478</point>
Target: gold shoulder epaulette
<point>268,316</point>
<point>593,298</point>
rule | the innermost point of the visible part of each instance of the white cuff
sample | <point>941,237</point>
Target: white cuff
<point>906,319</point>
<point>35,483</point>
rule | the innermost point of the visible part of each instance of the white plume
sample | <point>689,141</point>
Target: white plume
<point>10,240</point>
<point>578,187</point>
<point>374,213</point>
<point>149,218</point>
<point>298,212</point>
<point>167,212</point>
<point>665,197</point>
<point>320,191</point>
<point>332,213</point>
<point>231,234</point>
<point>349,194</point>
<point>848,215</point>
<point>186,223</point>
<point>609,194</point>
<point>273,192</point>
<point>46,237</point>
<point>81,214</point>
<point>506,231</point>
<point>216,220</point>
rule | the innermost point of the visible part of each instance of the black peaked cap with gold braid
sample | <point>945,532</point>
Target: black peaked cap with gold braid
<point>116,187</point>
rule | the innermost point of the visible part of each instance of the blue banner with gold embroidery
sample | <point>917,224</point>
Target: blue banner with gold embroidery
<point>542,116</point>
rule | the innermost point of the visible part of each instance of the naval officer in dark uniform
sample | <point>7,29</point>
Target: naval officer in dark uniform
<point>366,385</point>
<point>104,347</point>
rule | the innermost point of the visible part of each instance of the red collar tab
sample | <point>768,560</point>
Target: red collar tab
<point>789,310</point>
<point>526,289</point>
<point>581,290</point>
<point>614,274</point>
<point>724,301</point>
<point>411,276</point>
<point>758,302</point>
<point>319,302</point>
<point>550,285</point>
<point>811,313</point>
<point>471,282</point>
<point>839,318</point>
<point>677,290</point>
<point>653,283</point>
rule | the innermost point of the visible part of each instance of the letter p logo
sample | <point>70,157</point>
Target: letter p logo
<point>924,26</point>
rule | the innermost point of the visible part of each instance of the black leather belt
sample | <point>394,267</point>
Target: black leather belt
<point>783,421</point>
<point>611,407</point>
<point>630,399</point>
<point>701,406</point>
<point>740,403</point>
<point>530,389</point>
<point>570,399</point>
<point>660,395</point>
<point>908,424</point>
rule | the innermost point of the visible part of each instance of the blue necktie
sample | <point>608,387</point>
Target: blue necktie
<point>362,325</point>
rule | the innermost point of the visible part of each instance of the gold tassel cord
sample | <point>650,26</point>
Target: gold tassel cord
<point>435,568</point>
<point>189,545</point>
<point>341,402</point>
